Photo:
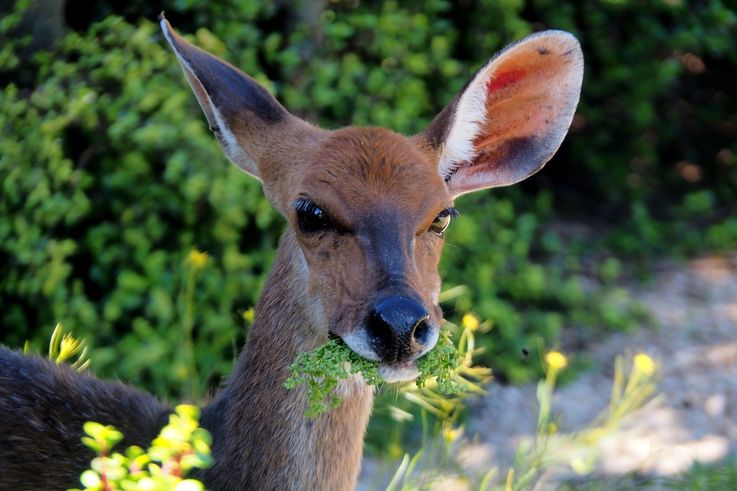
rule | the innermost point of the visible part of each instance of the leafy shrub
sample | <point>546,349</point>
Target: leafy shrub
<point>110,179</point>
<point>180,447</point>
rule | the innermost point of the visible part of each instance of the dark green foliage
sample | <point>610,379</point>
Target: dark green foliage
<point>110,177</point>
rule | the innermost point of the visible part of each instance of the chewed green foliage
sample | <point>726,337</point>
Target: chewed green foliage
<point>440,363</point>
<point>321,369</point>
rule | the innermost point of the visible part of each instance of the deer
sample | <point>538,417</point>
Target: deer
<point>366,211</point>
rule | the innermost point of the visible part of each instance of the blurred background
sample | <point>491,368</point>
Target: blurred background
<point>112,183</point>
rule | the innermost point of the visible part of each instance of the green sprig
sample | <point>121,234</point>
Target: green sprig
<point>321,369</point>
<point>441,362</point>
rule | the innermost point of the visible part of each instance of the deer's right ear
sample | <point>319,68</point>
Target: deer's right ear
<point>512,115</point>
<point>244,117</point>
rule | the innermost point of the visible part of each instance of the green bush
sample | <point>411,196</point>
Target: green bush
<point>110,177</point>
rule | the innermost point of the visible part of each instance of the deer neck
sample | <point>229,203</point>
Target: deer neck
<point>261,436</point>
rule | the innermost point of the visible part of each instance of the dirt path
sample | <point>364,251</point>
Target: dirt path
<point>694,419</point>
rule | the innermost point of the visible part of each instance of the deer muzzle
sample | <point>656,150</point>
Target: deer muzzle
<point>398,329</point>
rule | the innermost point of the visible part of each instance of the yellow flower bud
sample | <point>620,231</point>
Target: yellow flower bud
<point>451,434</point>
<point>469,321</point>
<point>644,364</point>
<point>196,259</point>
<point>395,451</point>
<point>249,315</point>
<point>556,360</point>
<point>69,346</point>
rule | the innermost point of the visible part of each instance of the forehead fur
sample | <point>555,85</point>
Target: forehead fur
<point>374,164</point>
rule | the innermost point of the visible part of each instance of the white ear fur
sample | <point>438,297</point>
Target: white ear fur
<point>474,111</point>
<point>468,119</point>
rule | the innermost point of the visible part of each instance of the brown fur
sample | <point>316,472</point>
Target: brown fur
<point>385,192</point>
<point>262,438</point>
<point>360,177</point>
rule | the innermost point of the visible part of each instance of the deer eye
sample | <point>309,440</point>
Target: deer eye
<point>310,217</point>
<point>442,221</point>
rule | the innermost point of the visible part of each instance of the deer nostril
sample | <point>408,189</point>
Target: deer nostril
<point>421,331</point>
<point>379,330</point>
<point>397,325</point>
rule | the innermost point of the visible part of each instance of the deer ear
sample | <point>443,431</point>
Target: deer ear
<point>241,113</point>
<point>512,116</point>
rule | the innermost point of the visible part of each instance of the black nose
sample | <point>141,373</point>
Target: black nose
<point>397,328</point>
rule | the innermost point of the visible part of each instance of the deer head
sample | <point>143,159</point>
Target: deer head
<point>368,207</point>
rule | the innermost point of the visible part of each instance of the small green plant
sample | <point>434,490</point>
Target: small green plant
<point>180,447</point>
<point>321,369</point>
<point>443,395</point>
<point>195,262</point>
<point>549,449</point>
<point>64,348</point>
<point>631,389</point>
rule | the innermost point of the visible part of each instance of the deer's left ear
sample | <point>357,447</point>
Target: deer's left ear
<point>511,117</point>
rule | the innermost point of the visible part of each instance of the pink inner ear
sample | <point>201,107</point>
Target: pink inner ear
<point>502,80</point>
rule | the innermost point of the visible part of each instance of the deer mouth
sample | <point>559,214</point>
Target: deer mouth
<point>394,371</point>
<point>404,371</point>
<point>398,367</point>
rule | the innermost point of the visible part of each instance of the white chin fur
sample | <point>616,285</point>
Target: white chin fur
<point>398,373</point>
<point>358,342</point>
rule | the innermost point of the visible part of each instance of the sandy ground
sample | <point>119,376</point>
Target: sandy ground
<point>694,419</point>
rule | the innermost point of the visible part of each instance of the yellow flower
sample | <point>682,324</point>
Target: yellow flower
<point>556,360</point>
<point>469,321</point>
<point>452,434</point>
<point>395,450</point>
<point>248,315</point>
<point>188,411</point>
<point>644,364</point>
<point>197,259</point>
<point>69,347</point>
